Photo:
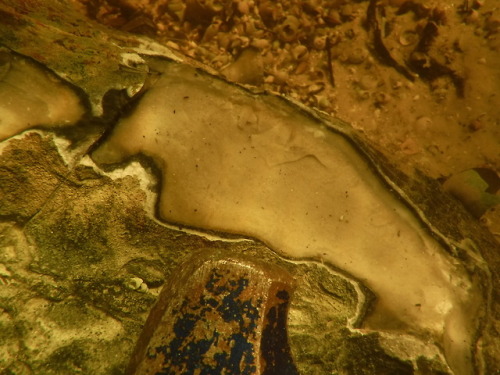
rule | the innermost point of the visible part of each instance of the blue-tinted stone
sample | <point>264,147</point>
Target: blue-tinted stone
<point>218,314</point>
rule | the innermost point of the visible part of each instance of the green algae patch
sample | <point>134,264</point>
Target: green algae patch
<point>72,299</point>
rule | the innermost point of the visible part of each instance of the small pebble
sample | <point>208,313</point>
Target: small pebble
<point>423,123</point>
<point>4,271</point>
<point>134,283</point>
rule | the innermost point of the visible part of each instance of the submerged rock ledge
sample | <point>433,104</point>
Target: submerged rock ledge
<point>392,276</point>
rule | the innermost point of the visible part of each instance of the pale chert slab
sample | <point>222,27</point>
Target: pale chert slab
<point>253,165</point>
<point>32,96</point>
